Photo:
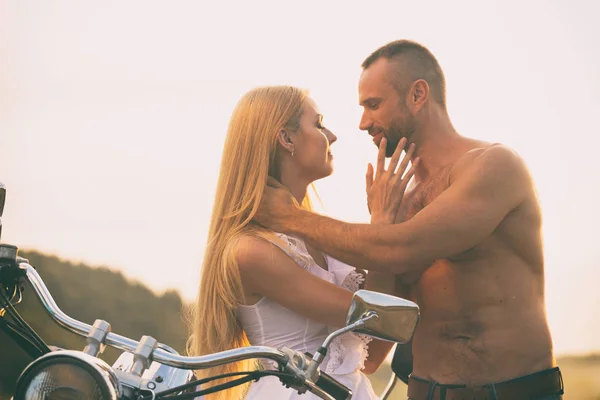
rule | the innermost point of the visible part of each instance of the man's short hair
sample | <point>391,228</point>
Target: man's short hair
<point>418,62</point>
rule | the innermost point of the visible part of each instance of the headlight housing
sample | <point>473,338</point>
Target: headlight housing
<point>67,375</point>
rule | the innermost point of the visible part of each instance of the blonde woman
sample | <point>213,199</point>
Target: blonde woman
<point>264,288</point>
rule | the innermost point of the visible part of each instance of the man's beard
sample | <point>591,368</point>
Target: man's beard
<point>396,133</point>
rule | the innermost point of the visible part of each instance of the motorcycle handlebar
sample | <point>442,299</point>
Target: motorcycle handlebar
<point>163,354</point>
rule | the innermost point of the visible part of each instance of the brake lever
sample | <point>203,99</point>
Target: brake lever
<point>324,386</point>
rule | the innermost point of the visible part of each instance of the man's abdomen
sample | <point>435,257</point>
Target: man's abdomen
<point>480,323</point>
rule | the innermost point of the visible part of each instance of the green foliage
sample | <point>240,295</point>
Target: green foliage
<point>87,294</point>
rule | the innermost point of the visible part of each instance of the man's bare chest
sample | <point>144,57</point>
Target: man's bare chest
<point>420,196</point>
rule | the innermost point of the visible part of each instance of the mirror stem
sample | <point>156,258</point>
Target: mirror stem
<point>322,351</point>
<point>2,201</point>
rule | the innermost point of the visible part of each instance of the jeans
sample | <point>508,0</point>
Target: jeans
<point>546,381</point>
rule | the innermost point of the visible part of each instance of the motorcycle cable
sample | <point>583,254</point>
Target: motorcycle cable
<point>246,377</point>
<point>19,330</point>
<point>10,276</point>
<point>8,307</point>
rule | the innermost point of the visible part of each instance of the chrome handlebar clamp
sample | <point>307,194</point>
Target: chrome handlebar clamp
<point>95,339</point>
<point>297,365</point>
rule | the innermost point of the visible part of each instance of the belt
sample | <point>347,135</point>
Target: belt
<point>543,383</point>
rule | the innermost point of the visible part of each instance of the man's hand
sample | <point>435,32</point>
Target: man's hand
<point>277,207</point>
<point>386,189</point>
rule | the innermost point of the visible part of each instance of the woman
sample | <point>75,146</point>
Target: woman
<point>266,288</point>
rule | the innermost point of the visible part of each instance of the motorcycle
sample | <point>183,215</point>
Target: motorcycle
<point>148,370</point>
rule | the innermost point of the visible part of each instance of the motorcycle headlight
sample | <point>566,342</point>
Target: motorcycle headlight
<point>67,375</point>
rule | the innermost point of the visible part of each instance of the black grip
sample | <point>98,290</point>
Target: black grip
<point>333,387</point>
<point>402,363</point>
<point>330,385</point>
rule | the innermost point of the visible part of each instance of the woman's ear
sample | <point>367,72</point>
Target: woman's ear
<point>285,140</point>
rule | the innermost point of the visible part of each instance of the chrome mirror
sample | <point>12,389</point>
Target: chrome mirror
<point>396,318</point>
<point>375,314</point>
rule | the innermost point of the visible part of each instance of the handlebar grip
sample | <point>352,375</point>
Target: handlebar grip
<point>333,387</point>
<point>9,268</point>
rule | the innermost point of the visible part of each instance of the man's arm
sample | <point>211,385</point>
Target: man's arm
<point>495,183</point>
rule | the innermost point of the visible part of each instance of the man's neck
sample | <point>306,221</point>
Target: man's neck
<point>438,144</point>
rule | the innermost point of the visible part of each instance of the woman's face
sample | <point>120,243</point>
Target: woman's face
<point>312,144</point>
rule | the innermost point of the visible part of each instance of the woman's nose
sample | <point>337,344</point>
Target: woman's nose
<point>331,137</point>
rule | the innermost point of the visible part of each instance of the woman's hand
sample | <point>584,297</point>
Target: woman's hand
<point>386,189</point>
<point>384,196</point>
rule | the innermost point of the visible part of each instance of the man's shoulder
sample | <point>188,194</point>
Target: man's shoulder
<point>490,159</point>
<point>490,152</point>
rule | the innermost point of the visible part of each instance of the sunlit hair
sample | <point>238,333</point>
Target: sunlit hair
<point>249,157</point>
<point>418,63</point>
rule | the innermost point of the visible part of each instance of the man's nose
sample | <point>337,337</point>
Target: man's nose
<point>365,122</point>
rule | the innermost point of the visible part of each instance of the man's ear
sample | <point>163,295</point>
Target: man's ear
<point>285,140</point>
<point>419,94</point>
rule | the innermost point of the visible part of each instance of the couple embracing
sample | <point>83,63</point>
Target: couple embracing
<point>455,227</point>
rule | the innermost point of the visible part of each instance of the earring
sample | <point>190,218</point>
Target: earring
<point>292,152</point>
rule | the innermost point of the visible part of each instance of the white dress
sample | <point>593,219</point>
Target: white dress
<point>267,323</point>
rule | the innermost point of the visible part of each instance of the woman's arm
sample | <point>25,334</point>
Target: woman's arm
<point>268,271</point>
<point>378,351</point>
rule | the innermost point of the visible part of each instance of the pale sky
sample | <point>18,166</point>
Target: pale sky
<point>113,115</point>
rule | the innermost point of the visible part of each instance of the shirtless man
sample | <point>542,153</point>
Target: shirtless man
<point>464,239</point>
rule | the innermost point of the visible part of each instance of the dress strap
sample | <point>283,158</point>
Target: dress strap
<point>295,248</point>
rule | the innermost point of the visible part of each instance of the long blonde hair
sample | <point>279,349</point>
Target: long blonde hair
<point>249,157</point>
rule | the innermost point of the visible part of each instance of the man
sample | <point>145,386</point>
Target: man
<point>465,244</point>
